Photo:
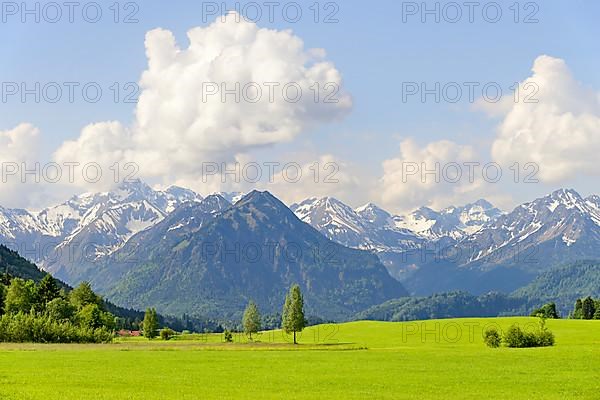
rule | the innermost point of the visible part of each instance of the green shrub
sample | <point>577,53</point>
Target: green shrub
<point>25,328</point>
<point>60,310</point>
<point>227,336</point>
<point>492,338</point>
<point>517,338</point>
<point>167,333</point>
<point>545,338</point>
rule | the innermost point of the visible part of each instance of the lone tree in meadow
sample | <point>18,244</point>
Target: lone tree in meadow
<point>293,312</point>
<point>150,323</point>
<point>251,320</point>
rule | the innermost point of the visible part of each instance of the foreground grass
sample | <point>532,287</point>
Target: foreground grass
<point>417,360</point>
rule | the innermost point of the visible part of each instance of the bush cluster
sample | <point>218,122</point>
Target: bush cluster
<point>518,338</point>
<point>515,337</point>
<point>167,334</point>
<point>32,328</point>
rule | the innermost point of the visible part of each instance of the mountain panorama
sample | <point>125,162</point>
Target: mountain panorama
<point>185,254</point>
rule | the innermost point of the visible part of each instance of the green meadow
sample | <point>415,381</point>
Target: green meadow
<point>437,359</point>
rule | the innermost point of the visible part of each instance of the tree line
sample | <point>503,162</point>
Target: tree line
<point>46,313</point>
<point>585,308</point>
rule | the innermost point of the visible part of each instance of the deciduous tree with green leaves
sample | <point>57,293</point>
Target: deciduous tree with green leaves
<point>293,320</point>
<point>90,316</point>
<point>150,323</point>
<point>83,295</point>
<point>251,320</point>
<point>19,296</point>
<point>60,310</point>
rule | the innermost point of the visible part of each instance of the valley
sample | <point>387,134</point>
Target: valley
<point>425,359</point>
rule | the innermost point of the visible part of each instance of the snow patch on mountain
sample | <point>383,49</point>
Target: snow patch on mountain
<point>562,218</point>
<point>102,221</point>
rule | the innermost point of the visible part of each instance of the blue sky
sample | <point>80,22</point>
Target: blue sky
<point>371,46</point>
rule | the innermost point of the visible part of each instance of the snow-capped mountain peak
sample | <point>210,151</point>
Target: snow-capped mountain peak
<point>370,226</point>
<point>100,222</point>
<point>452,222</point>
<point>329,214</point>
<point>132,190</point>
<point>562,218</point>
<point>367,227</point>
<point>214,203</point>
<point>568,198</point>
<point>231,197</point>
<point>374,215</point>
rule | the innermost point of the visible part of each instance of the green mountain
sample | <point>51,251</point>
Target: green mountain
<point>564,285</point>
<point>445,305</point>
<point>15,265</point>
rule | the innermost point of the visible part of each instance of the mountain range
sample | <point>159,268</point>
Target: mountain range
<point>183,253</point>
<point>372,228</point>
<point>475,247</point>
<point>212,259</point>
<point>88,226</point>
<point>511,250</point>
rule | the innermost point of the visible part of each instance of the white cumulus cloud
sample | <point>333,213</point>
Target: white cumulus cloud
<point>182,118</point>
<point>326,175</point>
<point>558,129</point>
<point>19,150</point>
<point>19,144</point>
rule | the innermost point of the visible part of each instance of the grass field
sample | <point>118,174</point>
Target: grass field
<point>438,359</point>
